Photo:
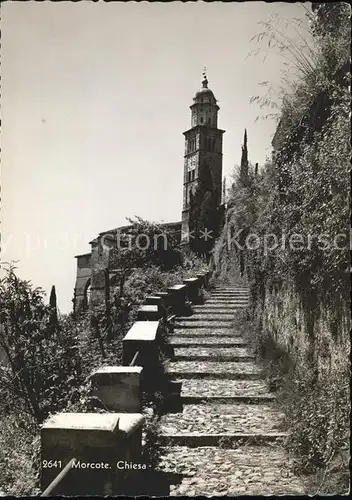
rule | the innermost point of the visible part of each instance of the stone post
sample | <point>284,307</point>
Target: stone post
<point>154,300</point>
<point>193,285</point>
<point>118,387</point>
<point>202,279</point>
<point>100,442</point>
<point>177,298</point>
<point>148,313</point>
<point>141,337</point>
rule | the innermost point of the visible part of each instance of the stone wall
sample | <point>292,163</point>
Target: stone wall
<point>321,337</point>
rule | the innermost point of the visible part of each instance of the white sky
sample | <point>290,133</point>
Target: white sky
<point>95,97</point>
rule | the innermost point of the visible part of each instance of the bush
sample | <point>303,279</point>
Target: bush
<point>41,360</point>
<point>318,413</point>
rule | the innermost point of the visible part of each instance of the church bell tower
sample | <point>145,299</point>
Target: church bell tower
<point>203,150</point>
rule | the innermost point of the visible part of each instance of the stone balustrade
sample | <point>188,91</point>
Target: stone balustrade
<point>102,443</point>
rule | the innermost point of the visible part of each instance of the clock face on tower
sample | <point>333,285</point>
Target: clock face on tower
<point>192,162</point>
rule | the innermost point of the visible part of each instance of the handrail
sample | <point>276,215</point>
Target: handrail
<point>134,359</point>
<point>59,478</point>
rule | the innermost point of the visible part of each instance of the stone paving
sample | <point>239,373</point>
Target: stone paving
<point>223,388</point>
<point>228,369</point>
<point>212,352</point>
<point>224,342</point>
<point>223,418</point>
<point>213,471</point>
<point>226,438</point>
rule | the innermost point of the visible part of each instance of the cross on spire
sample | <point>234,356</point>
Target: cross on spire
<point>205,81</point>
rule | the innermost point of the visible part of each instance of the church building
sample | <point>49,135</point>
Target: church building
<point>202,154</point>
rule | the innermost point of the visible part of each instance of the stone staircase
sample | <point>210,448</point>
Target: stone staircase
<point>228,437</point>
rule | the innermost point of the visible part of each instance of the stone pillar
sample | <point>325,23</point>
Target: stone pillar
<point>202,279</point>
<point>154,300</point>
<point>165,296</point>
<point>142,337</point>
<point>99,442</point>
<point>148,313</point>
<point>177,298</point>
<point>193,285</point>
<point>118,387</point>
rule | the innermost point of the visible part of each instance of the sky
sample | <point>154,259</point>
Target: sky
<point>94,100</point>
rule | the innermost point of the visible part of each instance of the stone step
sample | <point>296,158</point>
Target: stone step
<point>225,342</point>
<point>175,374</point>
<point>219,358</point>
<point>229,290</point>
<point>211,471</point>
<point>212,354</point>
<point>220,310</point>
<point>204,324</point>
<point>197,440</point>
<point>234,304</point>
<point>223,419</point>
<point>206,317</point>
<point>206,332</point>
<point>216,400</point>
<point>222,298</point>
<point>213,369</point>
<point>216,305</point>
<point>227,298</point>
<point>224,388</point>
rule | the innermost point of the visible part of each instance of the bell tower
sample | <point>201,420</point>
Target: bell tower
<point>203,150</point>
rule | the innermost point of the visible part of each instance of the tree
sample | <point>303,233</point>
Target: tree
<point>244,161</point>
<point>41,361</point>
<point>53,307</point>
<point>144,243</point>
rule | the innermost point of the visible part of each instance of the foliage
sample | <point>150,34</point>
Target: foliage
<point>302,191</point>
<point>144,244</point>
<point>318,415</point>
<point>41,359</point>
<point>18,477</point>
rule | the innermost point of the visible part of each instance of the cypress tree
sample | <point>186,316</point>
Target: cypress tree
<point>244,161</point>
<point>53,308</point>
